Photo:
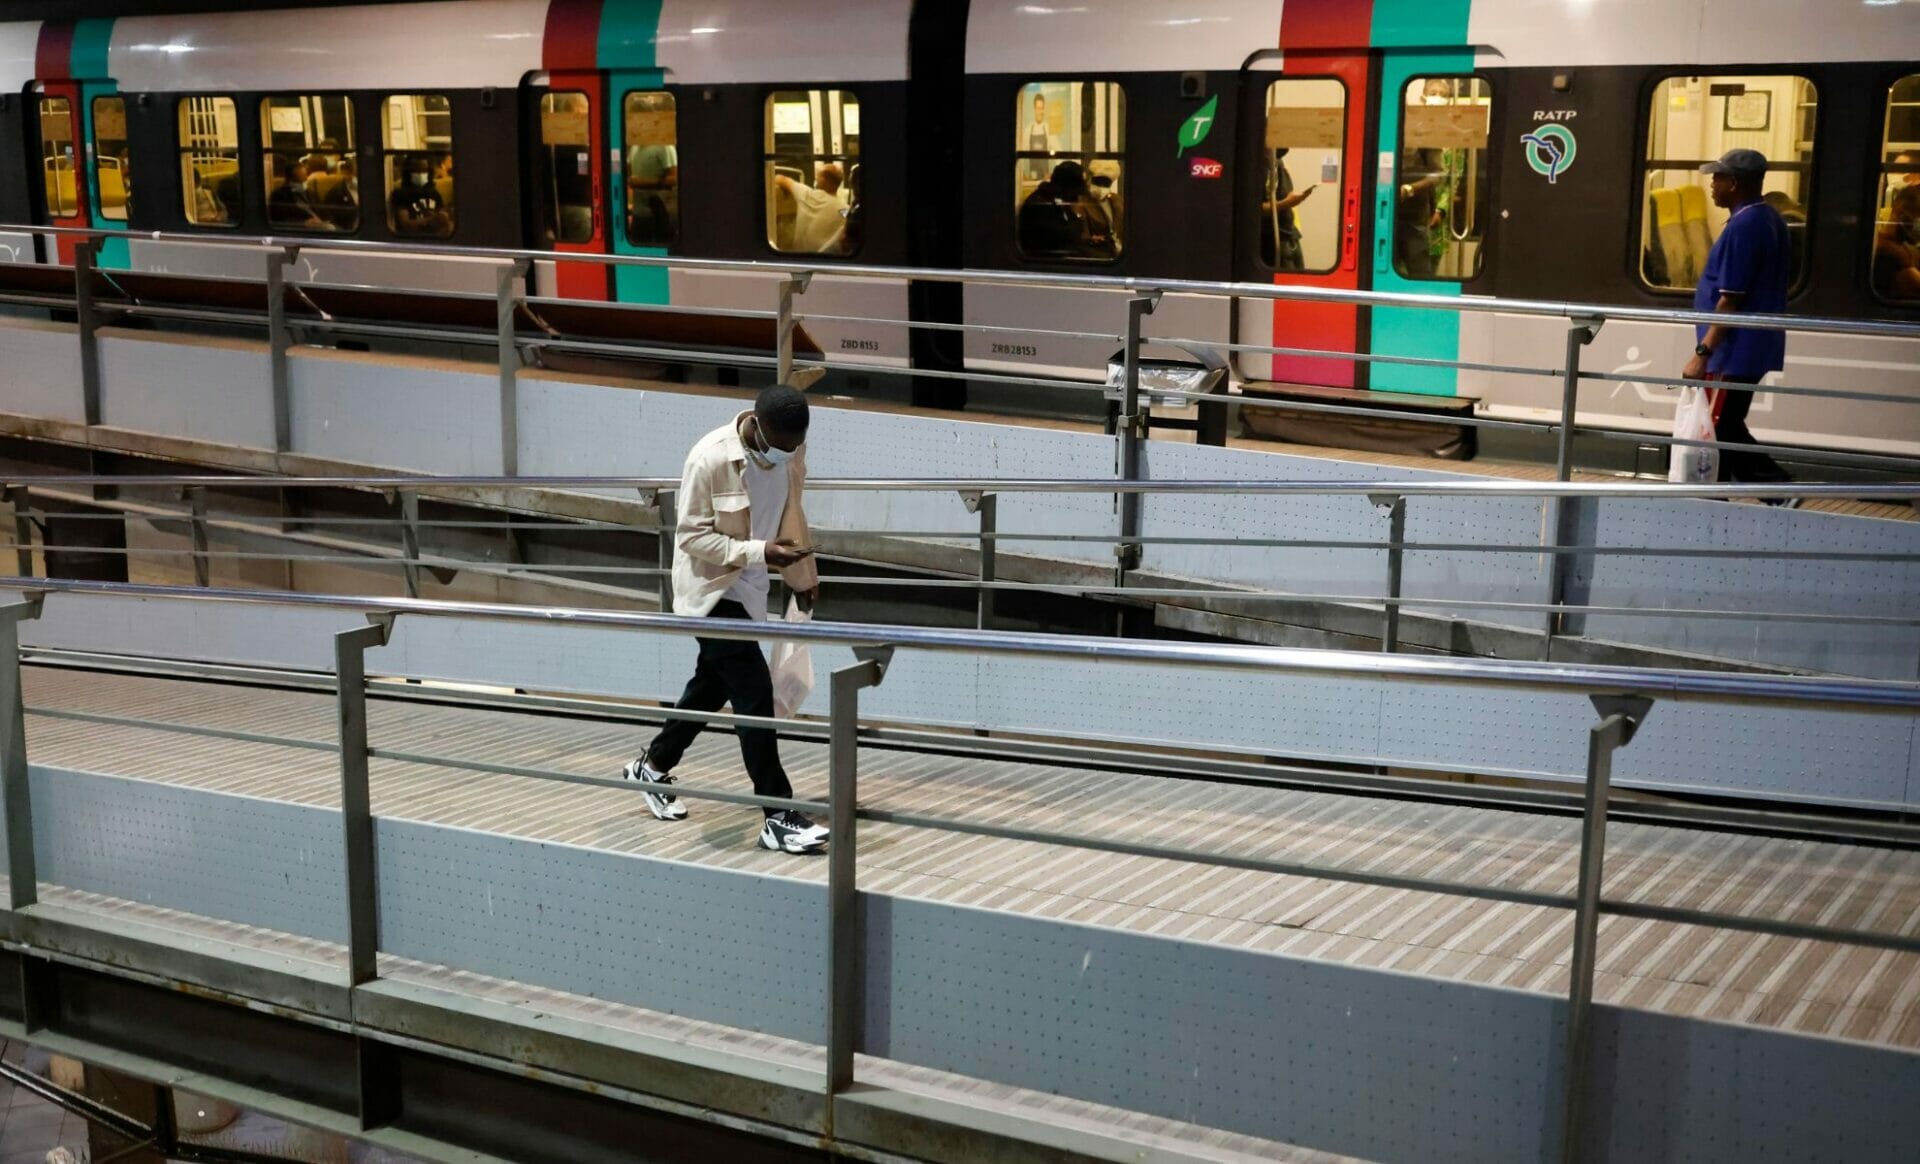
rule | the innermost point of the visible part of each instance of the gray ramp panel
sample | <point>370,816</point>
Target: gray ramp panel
<point>1366,1062</point>
<point>1339,1057</point>
<point>734,948</point>
<point>236,858</point>
<point>1669,1088</point>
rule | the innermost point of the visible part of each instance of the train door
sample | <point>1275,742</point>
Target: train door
<point>569,178</point>
<point>1308,131</point>
<point>644,176</point>
<point>1432,208</point>
<point>109,168</point>
<point>62,176</point>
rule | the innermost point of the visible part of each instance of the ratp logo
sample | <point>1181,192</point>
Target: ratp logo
<point>1550,150</point>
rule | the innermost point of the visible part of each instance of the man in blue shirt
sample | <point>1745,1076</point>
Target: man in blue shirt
<point>1747,271</point>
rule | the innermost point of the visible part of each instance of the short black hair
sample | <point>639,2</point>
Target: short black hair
<point>782,409</point>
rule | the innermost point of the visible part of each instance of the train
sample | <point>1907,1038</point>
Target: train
<point>1513,149</point>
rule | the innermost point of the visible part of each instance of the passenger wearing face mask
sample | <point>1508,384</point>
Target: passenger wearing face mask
<point>415,205</point>
<point>288,205</point>
<point>740,513</point>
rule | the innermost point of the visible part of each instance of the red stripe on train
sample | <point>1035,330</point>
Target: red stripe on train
<point>572,36</point>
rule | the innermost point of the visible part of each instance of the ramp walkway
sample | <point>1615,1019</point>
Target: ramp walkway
<point>396,900</point>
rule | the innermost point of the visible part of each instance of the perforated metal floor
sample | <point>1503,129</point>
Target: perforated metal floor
<point>1793,984</point>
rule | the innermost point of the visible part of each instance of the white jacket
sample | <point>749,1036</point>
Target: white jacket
<point>713,541</point>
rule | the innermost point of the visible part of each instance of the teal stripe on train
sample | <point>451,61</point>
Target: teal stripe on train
<point>88,62</point>
<point>1421,38</point>
<point>628,51</point>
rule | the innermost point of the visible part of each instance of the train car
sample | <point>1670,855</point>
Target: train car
<point>1506,148</point>
<point>19,45</point>
<point>1447,148</point>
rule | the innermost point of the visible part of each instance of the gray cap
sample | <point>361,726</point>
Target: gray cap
<point>1738,164</point>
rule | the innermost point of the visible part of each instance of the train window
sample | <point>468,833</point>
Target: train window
<point>1444,191</point>
<point>56,157</point>
<point>652,169</point>
<point>812,170</point>
<point>112,176</point>
<point>210,160</point>
<point>1069,158</point>
<point>1306,139</point>
<point>563,164</point>
<point>312,178</point>
<point>416,136</point>
<point>1895,263</point>
<point>1695,120</point>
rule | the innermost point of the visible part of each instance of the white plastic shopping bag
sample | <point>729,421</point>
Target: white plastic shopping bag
<point>792,667</point>
<point>1693,421</point>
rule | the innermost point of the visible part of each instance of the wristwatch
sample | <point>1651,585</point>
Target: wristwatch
<point>1702,350</point>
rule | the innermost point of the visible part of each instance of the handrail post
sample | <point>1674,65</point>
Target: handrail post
<point>1396,507</point>
<point>1620,717</point>
<point>663,504</point>
<point>19,497</point>
<point>278,341</point>
<point>16,793</point>
<point>356,797</point>
<point>790,286</point>
<point>410,540</point>
<point>1131,427</point>
<point>83,255</point>
<point>987,507</point>
<point>508,286</point>
<point>1580,332</point>
<point>845,953</point>
<point>197,532</point>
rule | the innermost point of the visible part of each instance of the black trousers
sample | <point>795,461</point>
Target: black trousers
<point>729,671</point>
<point>1738,464</point>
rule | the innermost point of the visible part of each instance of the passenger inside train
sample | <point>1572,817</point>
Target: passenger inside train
<point>1073,209</point>
<point>416,204</point>
<point>1896,247</point>
<point>652,169</point>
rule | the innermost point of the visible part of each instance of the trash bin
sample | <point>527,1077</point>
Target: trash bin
<point>1201,375</point>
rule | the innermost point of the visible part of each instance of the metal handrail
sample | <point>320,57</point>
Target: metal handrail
<point>1717,687</point>
<point>1888,491</point>
<point>1561,309</point>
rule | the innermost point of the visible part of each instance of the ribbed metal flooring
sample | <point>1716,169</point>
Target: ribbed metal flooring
<point>1794,984</point>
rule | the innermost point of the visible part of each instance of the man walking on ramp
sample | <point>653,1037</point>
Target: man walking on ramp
<point>740,512</point>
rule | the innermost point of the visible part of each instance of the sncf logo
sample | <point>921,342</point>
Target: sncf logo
<point>1207,168</point>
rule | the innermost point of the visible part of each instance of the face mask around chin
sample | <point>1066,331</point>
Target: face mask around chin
<point>769,455</point>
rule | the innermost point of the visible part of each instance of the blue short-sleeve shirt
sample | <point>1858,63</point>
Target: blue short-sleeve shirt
<point>1753,260</point>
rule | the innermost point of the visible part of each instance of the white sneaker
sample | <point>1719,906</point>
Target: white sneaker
<point>792,832</point>
<point>664,805</point>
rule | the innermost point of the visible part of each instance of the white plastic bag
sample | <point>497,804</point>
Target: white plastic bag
<point>1693,421</point>
<point>792,667</point>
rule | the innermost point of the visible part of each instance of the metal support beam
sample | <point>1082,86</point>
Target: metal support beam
<point>789,287</point>
<point>83,256</point>
<point>1396,507</point>
<point>197,505</point>
<point>1131,428</point>
<point>1620,718</point>
<point>20,498</point>
<point>844,937</point>
<point>669,529</point>
<point>988,509</point>
<point>16,797</point>
<point>356,799</point>
<point>410,540</point>
<point>279,339</point>
<point>508,288</point>
<point>1580,333</point>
